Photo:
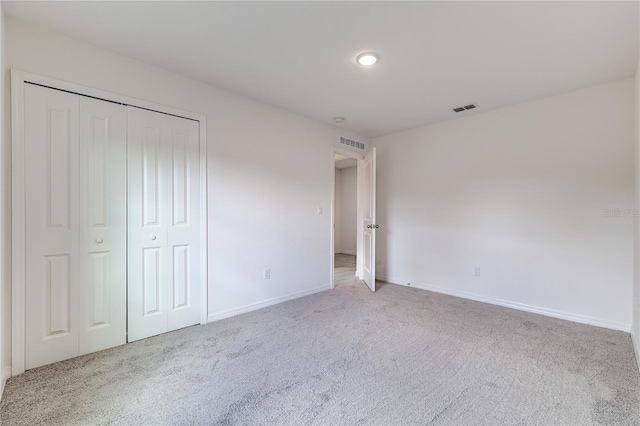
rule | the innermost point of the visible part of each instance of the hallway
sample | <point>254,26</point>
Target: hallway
<point>344,272</point>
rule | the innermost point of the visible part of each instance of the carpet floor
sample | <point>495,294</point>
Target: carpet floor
<point>347,356</point>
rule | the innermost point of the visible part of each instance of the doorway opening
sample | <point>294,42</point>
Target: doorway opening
<point>344,193</point>
<point>345,220</point>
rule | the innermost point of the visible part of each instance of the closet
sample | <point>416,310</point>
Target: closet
<point>112,224</point>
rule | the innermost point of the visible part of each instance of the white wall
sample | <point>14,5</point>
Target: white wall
<point>520,192</point>
<point>268,171</point>
<point>348,213</point>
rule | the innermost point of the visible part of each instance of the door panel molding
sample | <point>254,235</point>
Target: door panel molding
<point>103,228</point>
<point>18,248</point>
<point>52,143</point>
<point>165,280</point>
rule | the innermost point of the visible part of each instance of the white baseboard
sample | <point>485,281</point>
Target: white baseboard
<point>351,252</point>
<point>263,304</point>
<point>599,322</point>
<point>6,373</point>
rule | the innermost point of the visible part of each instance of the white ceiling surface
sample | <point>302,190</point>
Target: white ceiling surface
<point>301,55</point>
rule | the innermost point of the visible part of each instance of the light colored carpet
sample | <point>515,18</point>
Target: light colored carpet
<point>347,356</point>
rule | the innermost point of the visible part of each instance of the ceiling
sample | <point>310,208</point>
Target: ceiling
<point>300,56</point>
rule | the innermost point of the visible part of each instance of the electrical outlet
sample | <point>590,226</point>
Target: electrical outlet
<point>267,273</point>
<point>476,272</point>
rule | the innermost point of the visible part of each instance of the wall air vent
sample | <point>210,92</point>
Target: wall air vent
<point>465,108</point>
<point>350,142</point>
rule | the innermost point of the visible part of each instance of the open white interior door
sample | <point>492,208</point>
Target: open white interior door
<point>369,220</point>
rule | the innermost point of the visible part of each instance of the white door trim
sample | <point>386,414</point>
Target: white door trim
<point>18,208</point>
<point>336,150</point>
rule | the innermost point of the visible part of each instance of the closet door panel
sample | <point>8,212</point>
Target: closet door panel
<point>52,225</point>
<point>147,224</point>
<point>103,226</point>
<point>164,223</point>
<point>184,223</point>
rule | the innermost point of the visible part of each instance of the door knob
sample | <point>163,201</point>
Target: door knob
<point>153,237</point>
<point>369,226</point>
<point>99,240</point>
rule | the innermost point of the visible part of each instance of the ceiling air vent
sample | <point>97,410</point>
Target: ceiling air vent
<point>464,108</point>
<point>350,142</point>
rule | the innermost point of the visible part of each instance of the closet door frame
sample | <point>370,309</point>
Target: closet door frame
<point>18,208</point>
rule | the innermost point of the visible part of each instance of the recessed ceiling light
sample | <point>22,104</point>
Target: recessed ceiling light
<point>338,119</point>
<point>367,59</point>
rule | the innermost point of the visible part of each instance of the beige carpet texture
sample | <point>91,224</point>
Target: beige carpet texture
<point>400,356</point>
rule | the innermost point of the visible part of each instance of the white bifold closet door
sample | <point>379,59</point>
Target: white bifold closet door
<point>75,186</point>
<point>164,223</point>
